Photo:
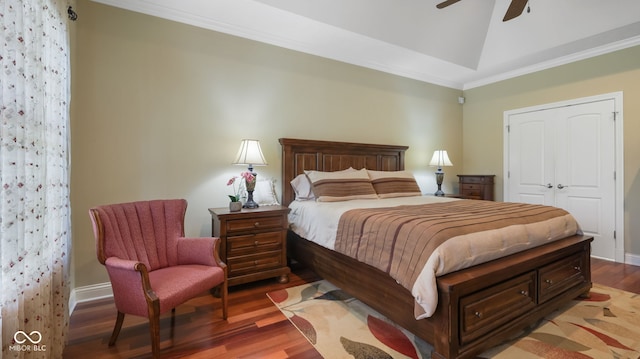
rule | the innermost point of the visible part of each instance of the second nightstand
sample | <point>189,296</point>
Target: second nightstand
<point>253,242</point>
<point>476,186</point>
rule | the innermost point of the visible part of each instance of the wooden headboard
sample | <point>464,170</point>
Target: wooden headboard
<point>300,155</point>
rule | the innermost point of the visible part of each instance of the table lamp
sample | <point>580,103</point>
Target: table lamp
<point>440,159</point>
<point>250,154</point>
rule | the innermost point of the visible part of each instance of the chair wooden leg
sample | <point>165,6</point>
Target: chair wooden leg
<point>173,323</point>
<point>223,296</point>
<point>154,330</point>
<point>116,329</point>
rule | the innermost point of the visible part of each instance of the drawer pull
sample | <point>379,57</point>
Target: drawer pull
<point>256,243</point>
<point>525,293</point>
<point>548,281</point>
<point>478,314</point>
<point>257,224</point>
<point>577,268</point>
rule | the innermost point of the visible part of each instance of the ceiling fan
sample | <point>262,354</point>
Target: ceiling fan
<point>515,8</point>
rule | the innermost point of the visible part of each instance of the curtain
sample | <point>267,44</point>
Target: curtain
<point>35,230</point>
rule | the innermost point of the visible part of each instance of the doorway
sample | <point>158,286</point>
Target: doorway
<point>569,155</point>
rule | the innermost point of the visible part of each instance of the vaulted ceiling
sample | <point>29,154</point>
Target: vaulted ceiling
<point>464,45</point>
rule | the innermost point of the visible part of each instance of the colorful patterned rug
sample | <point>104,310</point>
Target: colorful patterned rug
<point>607,325</point>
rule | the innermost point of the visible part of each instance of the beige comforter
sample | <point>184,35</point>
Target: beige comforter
<point>400,240</point>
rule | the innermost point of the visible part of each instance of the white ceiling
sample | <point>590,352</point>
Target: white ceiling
<point>462,46</point>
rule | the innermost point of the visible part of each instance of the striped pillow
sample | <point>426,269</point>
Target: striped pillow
<point>389,184</point>
<point>341,185</point>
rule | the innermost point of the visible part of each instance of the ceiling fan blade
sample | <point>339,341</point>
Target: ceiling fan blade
<point>515,9</point>
<point>444,4</point>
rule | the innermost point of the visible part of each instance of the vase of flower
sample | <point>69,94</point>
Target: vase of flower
<point>235,206</point>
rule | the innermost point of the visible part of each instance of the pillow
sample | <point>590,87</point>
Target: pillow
<point>265,193</point>
<point>302,188</point>
<point>389,184</point>
<point>341,185</point>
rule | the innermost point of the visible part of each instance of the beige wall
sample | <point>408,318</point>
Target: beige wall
<point>484,108</point>
<point>159,109</point>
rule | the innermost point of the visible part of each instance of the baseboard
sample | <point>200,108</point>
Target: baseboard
<point>89,293</point>
<point>632,259</point>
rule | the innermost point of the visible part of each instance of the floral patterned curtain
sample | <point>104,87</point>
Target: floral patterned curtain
<point>34,178</point>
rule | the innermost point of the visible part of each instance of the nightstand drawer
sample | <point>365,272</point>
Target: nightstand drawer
<point>471,187</point>
<point>475,179</point>
<point>252,263</point>
<point>471,190</point>
<point>255,224</point>
<point>254,243</point>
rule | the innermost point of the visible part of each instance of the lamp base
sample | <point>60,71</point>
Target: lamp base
<point>439,178</point>
<point>250,202</point>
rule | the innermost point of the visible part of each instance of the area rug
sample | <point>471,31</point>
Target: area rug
<point>606,325</point>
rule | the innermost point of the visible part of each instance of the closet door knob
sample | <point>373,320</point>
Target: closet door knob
<point>560,186</point>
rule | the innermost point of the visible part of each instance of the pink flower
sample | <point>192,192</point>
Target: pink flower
<point>248,176</point>
<point>235,197</point>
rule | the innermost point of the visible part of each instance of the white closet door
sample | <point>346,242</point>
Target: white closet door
<point>565,157</point>
<point>531,162</point>
<point>585,171</point>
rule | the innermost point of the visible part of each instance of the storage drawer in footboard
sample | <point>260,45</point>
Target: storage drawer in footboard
<point>490,308</point>
<point>562,275</point>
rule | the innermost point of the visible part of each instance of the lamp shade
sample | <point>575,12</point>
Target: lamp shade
<point>440,158</point>
<point>250,154</point>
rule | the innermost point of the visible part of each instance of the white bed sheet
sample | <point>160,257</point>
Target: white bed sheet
<point>318,222</point>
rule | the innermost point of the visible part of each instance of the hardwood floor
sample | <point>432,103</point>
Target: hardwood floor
<point>255,327</point>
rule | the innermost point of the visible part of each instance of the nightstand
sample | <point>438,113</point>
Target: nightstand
<point>252,242</point>
<point>476,186</point>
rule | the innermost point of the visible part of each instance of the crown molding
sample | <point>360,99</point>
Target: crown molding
<point>257,21</point>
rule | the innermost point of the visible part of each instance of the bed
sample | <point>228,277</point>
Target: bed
<point>478,307</point>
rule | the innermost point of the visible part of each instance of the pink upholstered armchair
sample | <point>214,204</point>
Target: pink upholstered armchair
<point>152,267</point>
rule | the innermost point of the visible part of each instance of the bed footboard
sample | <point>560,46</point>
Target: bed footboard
<point>479,307</point>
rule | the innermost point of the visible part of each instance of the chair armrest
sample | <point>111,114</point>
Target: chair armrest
<point>128,271</point>
<point>118,263</point>
<point>130,280</point>
<point>201,250</point>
